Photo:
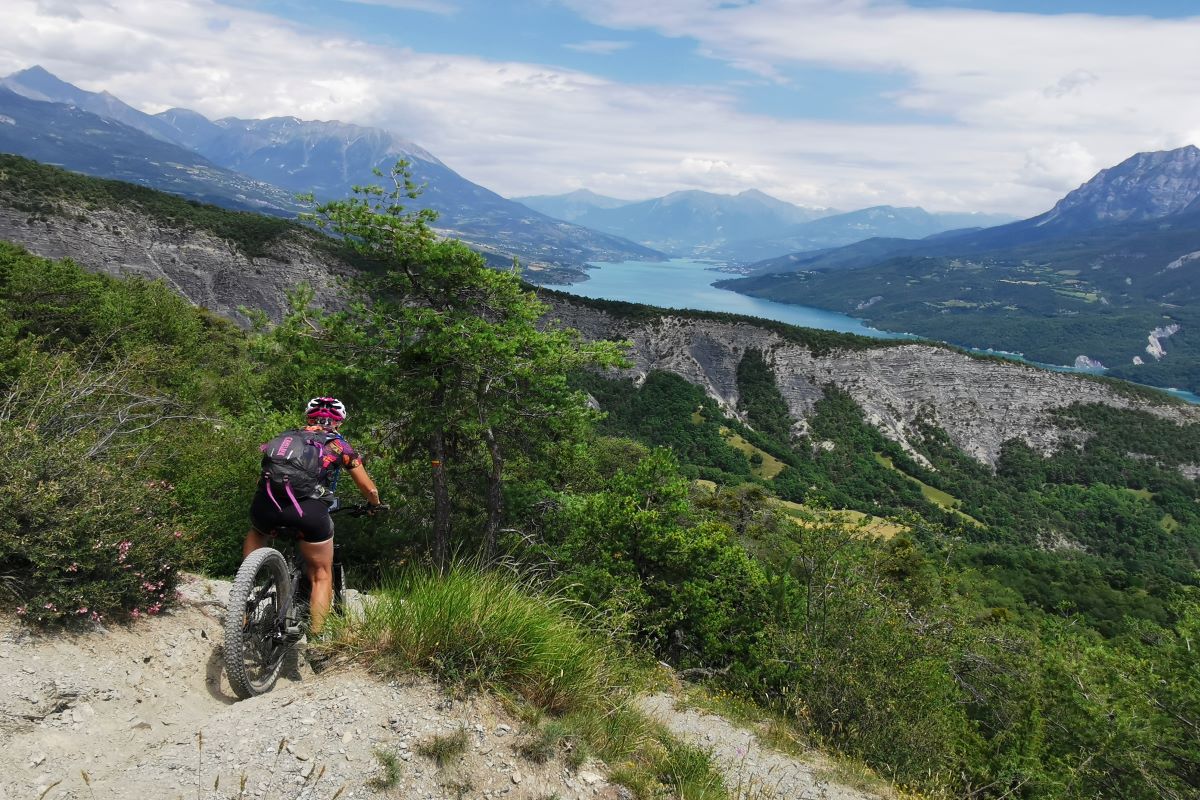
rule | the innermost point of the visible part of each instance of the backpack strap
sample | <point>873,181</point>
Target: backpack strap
<point>335,472</point>
<point>270,495</point>
<point>288,486</point>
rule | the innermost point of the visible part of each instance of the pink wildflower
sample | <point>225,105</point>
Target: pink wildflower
<point>135,613</point>
<point>22,610</point>
<point>73,568</point>
<point>50,606</point>
<point>82,610</point>
<point>178,534</point>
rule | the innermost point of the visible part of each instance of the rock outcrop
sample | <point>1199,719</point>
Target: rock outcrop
<point>980,403</point>
<point>1143,186</point>
<point>207,270</point>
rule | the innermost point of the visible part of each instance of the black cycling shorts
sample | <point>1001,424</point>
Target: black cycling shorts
<point>314,526</point>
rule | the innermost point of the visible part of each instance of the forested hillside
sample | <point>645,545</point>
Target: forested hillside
<point>1027,632</point>
<point>1106,274</point>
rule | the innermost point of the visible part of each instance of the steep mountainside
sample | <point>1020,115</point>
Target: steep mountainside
<point>1145,186</point>
<point>38,84</point>
<point>328,158</point>
<point>79,140</point>
<point>219,259</point>
<point>264,163</point>
<point>980,403</point>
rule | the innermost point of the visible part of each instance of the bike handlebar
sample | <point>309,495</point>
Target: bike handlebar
<point>360,509</point>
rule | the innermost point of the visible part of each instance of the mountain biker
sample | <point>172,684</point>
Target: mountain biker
<point>310,515</point>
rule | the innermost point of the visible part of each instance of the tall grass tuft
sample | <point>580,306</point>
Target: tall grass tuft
<point>491,631</point>
<point>485,630</point>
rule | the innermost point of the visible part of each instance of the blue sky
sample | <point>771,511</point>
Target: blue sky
<point>967,105</point>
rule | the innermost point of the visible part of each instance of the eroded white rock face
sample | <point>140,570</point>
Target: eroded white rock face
<point>208,271</point>
<point>1184,259</point>
<point>980,403</point>
<point>1155,347</point>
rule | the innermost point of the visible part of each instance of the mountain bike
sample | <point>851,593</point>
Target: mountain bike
<point>268,608</point>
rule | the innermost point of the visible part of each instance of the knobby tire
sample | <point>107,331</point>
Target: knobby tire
<point>253,651</point>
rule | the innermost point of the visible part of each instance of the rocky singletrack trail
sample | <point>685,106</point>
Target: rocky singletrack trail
<point>145,712</point>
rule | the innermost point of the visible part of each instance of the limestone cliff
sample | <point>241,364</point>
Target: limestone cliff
<point>980,403</point>
<point>207,270</point>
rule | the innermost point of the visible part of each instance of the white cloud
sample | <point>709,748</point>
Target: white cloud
<point>1061,166</point>
<point>599,47</point>
<point>1021,106</point>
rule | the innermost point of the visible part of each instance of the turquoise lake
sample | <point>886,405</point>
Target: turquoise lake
<point>686,283</point>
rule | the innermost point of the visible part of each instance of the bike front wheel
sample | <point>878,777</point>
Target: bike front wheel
<point>255,636</point>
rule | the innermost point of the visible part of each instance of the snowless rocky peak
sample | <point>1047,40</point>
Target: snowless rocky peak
<point>274,131</point>
<point>1145,186</point>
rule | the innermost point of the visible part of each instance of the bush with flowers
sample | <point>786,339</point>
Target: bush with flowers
<point>84,535</point>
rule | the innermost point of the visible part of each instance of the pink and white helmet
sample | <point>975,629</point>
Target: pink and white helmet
<point>326,409</point>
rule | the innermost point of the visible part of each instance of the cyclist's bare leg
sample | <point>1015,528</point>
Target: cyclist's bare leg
<point>254,540</point>
<point>318,563</point>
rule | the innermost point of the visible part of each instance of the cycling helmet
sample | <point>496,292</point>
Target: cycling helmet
<point>326,409</point>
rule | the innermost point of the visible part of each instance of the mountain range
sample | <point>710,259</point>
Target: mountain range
<point>572,205</point>
<point>261,164</point>
<point>1106,276</point>
<point>854,226</point>
<point>745,227</point>
<point>81,141</point>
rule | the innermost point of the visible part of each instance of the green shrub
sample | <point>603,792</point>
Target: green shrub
<point>215,471</point>
<point>640,553</point>
<point>82,534</point>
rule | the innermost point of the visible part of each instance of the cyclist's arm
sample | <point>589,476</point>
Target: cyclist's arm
<point>364,483</point>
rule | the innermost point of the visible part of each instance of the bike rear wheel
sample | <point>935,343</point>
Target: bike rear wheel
<point>255,639</point>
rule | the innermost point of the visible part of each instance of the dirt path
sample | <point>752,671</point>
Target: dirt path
<point>752,771</point>
<point>128,707</point>
<point>145,712</point>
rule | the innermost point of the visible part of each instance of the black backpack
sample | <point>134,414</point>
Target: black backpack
<point>292,466</point>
